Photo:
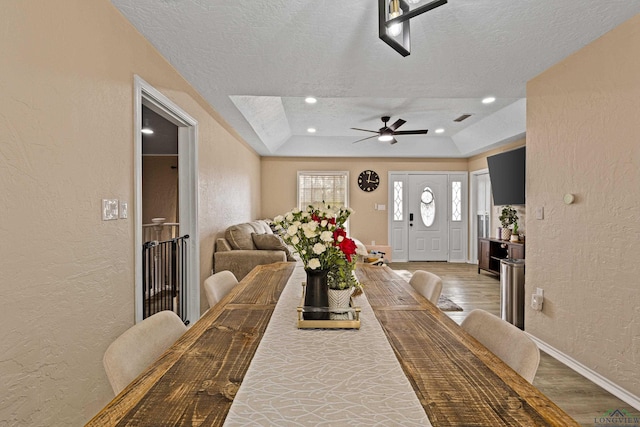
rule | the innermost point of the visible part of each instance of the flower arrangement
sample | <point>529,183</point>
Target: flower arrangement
<point>318,235</point>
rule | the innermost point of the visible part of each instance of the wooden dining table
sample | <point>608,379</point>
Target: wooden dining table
<point>453,378</point>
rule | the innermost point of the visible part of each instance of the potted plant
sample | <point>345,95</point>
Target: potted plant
<point>514,234</point>
<point>507,218</point>
<point>342,286</point>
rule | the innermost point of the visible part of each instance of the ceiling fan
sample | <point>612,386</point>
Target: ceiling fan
<point>387,133</point>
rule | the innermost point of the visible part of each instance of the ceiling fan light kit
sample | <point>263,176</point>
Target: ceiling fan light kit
<point>388,133</point>
<point>393,22</point>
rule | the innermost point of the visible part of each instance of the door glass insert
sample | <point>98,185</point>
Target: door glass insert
<point>427,207</point>
<point>456,201</point>
<point>397,201</point>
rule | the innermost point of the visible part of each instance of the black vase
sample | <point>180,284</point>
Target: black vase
<point>316,294</point>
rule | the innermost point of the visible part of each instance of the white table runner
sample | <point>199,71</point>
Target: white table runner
<point>321,377</point>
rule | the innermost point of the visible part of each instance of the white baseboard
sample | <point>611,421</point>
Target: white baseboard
<point>590,374</point>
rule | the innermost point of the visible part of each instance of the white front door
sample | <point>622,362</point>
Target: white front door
<point>428,213</point>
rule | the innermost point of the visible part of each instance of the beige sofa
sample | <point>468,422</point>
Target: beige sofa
<point>247,245</point>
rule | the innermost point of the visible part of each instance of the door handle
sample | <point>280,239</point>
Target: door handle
<point>410,217</point>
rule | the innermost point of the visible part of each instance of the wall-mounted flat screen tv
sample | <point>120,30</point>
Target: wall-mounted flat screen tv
<point>507,174</point>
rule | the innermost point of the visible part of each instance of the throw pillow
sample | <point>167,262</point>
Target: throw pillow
<point>239,236</point>
<point>271,242</point>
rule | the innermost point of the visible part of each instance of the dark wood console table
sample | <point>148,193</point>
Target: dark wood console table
<point>492,251</point>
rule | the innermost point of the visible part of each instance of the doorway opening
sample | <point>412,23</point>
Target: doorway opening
<point>480,210</point>
<point>166,226</point>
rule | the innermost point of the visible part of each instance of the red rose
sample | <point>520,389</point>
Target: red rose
<point>348,247</point>
<point>339,232</point>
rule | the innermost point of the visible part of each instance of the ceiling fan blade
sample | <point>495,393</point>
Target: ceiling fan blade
<point>411,132</point>
<point>393,141</point>
<point>366,130</point>
<point>369,137</point>
<point>397,124</point>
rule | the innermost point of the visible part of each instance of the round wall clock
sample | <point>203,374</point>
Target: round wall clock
<point>368,180</point>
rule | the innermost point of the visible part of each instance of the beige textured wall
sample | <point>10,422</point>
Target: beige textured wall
<point>582,138</point>
<point>366,224</point>
<point>66,142</point>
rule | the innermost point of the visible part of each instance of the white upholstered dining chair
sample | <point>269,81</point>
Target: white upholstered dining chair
<point>219,285</point>
<point>504,340</point>
<point>139,346</point>
<point>427,284</point>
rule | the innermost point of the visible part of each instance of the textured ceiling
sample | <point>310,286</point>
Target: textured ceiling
<point>256,60</point>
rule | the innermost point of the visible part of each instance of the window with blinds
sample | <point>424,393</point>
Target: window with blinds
<point>315,188</point>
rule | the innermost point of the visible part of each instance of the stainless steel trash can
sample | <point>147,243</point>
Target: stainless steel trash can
<point>512,291</point>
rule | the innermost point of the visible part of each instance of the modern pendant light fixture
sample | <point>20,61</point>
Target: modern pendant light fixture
<point>393,22</point>
<point>394,12</point>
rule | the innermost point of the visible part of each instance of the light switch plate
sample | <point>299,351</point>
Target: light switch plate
<point>109,209</point>
<point>540,212</point>
<point>123,209</point>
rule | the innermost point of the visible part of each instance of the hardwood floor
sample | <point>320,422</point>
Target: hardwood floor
<point>576,395</point>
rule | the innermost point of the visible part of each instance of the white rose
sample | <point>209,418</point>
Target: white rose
<point>292,230</point>
<point>305,215</point>
<point>314,263</point>
<point>309,229</point>
<point>340,239</point>
<point>295,240</point>
<point>326,236</point>
<point>324,223</point>
<point>296,210</point>
<point>319,248</point>
<point>279,218</point>
<point>289,216</point>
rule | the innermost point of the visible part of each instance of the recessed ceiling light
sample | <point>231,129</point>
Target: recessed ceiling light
<point>310,100</point>
<point>439,130</point>
<point>488,100</point>
<point>146,129</point>
<point>311,130</point>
